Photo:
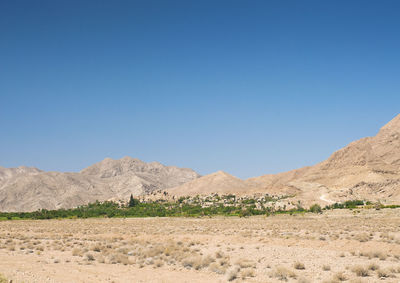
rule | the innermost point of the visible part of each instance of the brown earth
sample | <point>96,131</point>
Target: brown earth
<point>358,246</point>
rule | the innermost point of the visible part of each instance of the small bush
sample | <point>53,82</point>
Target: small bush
<point>315,208</point>
<point>326,268</point>
<point>360,271</point>
<point>283,273</point>
<point>217,268</point>
<point>340,276</point>
<point>373,266</point>
<point>77,252</point>
<point>245,263</point>
<point>383,274</point>
<point>248,272</point>
<point>233,274</point>
<point>299,265</point>
<point>89,257</point>
<point>363,237</point>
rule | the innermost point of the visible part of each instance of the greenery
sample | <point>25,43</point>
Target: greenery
<point>315,208</point>
<point>184,207</point>
<point>350,204</point>
<point>133,202</point>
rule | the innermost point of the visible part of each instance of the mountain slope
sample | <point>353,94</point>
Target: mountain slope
<point>218,182</point>
<point>365,169</point>
<point>106,180</point>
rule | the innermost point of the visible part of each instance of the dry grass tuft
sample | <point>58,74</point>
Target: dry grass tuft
<point>326,267</point>
<point>233,273</point>
<point>248,272</point>
<point>340,276</point>
<point>373,266</point>
<point>245,263</point>
<point>283,273</point>
<point>3,279</point>
<point>360,271</point>
<point>299,265</point>
<point>383,274</point>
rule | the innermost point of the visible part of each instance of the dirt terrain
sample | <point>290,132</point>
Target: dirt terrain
<point>339,245</point>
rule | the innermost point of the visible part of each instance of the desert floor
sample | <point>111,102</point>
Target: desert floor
<point>340,245</point>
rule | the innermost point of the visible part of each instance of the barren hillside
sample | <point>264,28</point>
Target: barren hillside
<point>28,190</point>
<point>218,182</point>
<point>365,169</point>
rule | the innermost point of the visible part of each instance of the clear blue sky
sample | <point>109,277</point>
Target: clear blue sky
<point>248,87</point>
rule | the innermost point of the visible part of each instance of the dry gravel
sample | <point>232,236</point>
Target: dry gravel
<point>358,246</point>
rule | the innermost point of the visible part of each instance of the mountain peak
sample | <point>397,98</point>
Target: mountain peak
<point>223,174</point>
<point>393,126</point>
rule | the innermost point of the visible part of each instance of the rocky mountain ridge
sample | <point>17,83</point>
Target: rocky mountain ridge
<point>366,169</point>
<point>29,189</point>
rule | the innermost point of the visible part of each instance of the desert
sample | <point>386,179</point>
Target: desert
<point>338,245</point>
<point>199,141</point>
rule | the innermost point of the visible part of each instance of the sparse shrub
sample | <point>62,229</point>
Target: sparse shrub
<point>283,273</point>
<point>77,252</point>
<point>206,261</point>
<point>3,279</point>
<point>96,248</point>
<point>373,266</point>
<point>340,276</point>
<point>89,257</point>
<point>248,272</point>
<point>158,263</point>
<point>315,208</point>
<point>303,280</point>
<point>360,271</point>
<point>299,265</point>
<point>217,268</point>
<point>383,273</point>
<point>192,262</point>
<point>119,258</point>
<point>363,237</point>
<point>233,274</point>
<point>326,267</point>
<point>245,263</point>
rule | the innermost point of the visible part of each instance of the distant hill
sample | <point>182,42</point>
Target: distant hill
<point>218,182</point>
<point>29,189</point>
<point>365,169</point>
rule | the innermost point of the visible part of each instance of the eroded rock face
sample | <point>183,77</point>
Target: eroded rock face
<point>31,189</point>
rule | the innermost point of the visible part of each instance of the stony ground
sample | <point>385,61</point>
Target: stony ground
<point>340,245</point>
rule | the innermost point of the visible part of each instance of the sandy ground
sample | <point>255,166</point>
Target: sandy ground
<point>340,245</point>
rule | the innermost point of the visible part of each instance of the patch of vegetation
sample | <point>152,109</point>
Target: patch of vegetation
<point>227,205</point>
<point>315,208</point>
<point>350,204</point>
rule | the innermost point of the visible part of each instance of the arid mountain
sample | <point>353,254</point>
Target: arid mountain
<point>218,182</point>
<point>28,189</point>
<point>8,173</point>
<point>365,169</point>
